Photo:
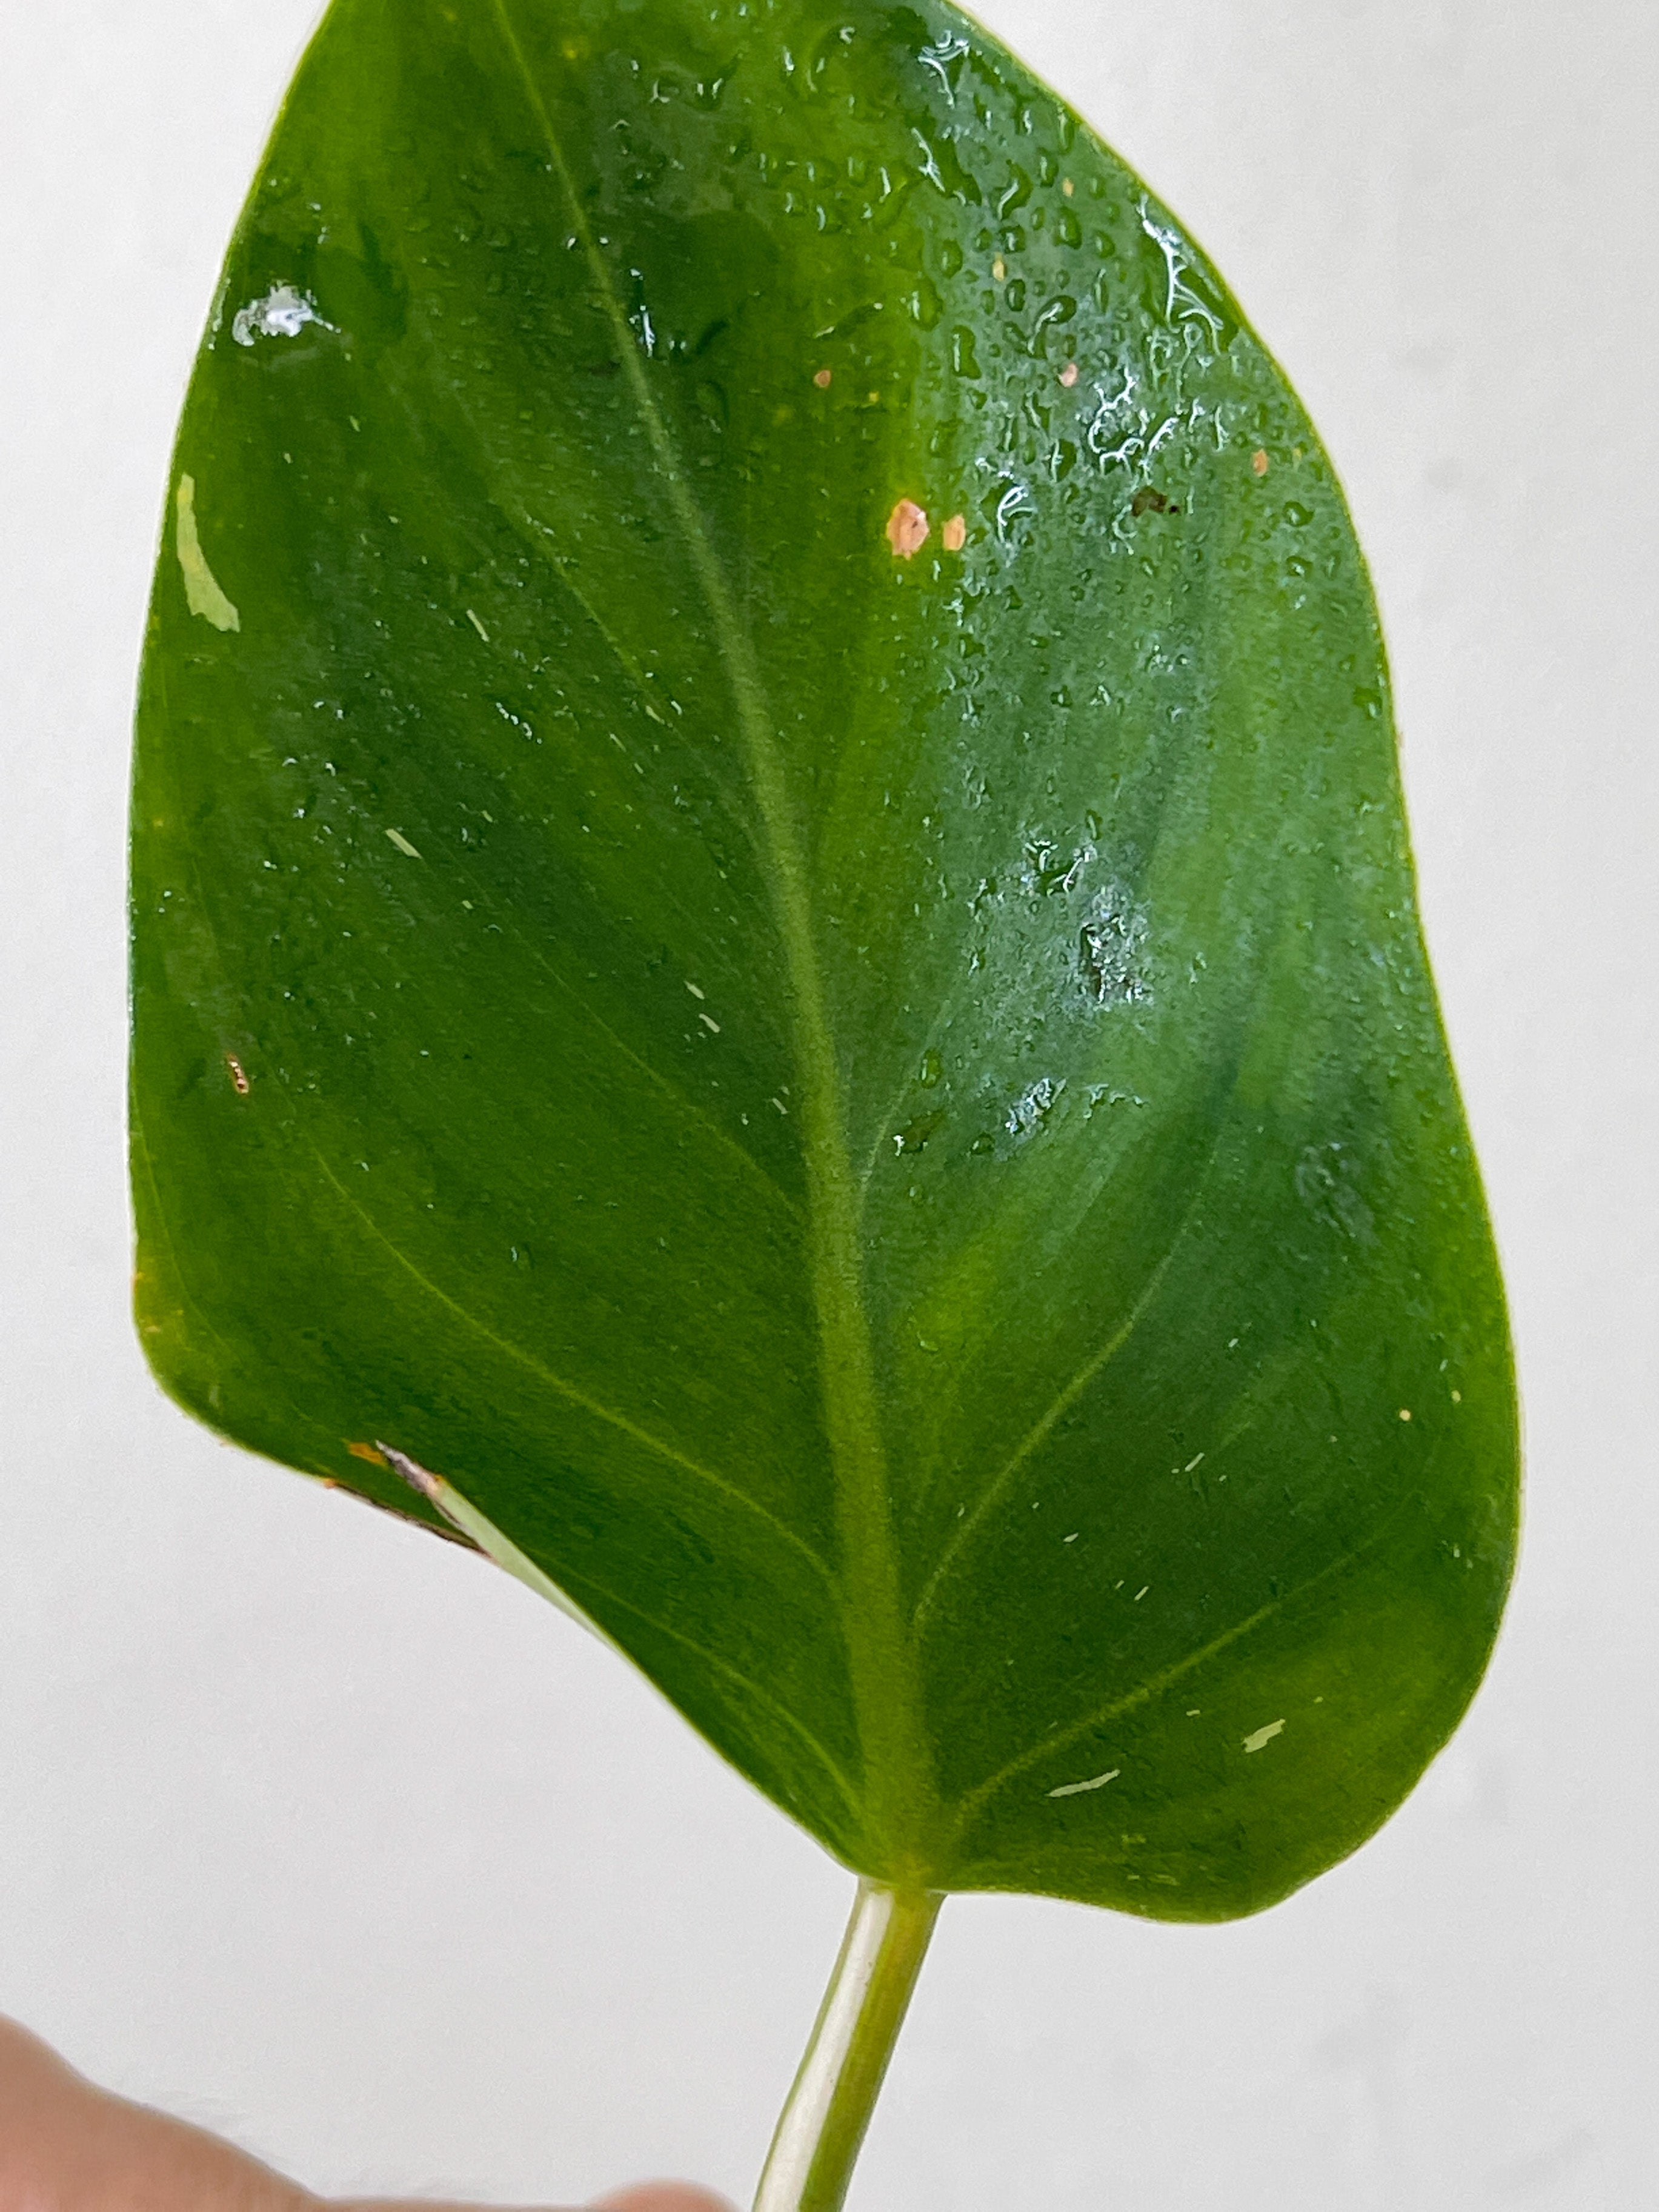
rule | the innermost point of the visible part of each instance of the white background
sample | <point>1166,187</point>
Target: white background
<point>328,1835</point>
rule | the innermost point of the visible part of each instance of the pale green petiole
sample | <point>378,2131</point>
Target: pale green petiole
<point>823,2120</point>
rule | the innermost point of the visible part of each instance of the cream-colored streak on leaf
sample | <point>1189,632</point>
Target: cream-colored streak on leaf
<point>203,592</point>
<point>1095,1781</point>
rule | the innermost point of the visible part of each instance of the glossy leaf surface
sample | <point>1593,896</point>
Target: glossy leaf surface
<point>872,1099</point>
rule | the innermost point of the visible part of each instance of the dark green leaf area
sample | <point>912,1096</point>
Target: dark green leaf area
<point>774,928</point>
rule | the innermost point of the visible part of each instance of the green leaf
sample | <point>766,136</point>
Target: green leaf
<point>872,1101</point>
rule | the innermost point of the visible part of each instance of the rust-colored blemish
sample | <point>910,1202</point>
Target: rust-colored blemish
<point>822,379</point>
<point>1068,375</point>
<point>907,529</point>
<point>368,1451</point>
<point>955,536</point>
<point>1148,500</point>
<point>1259,462</point>
<point>238,1075</point>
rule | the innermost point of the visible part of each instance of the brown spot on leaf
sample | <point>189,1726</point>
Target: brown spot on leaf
<point>907,528</point>
<point>1259,462</point>
<point>1068,375</point>
<point>375,1457</point>
<point>822,379</point>
<point>238,1075</point>
<point>1146,499</point>
<point>955,535</point>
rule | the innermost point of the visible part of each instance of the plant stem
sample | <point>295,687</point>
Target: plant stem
<point>822,2126</point>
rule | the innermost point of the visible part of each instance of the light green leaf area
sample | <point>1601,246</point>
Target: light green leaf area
<point>872,1101</point>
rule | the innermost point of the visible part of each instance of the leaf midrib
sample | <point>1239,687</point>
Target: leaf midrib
<point>881,1665</point>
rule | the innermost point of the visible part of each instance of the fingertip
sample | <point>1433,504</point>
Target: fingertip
<point>663,2197</point>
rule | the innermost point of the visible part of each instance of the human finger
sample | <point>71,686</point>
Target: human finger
<point>68,2146</point>
<point>664,2197</point>
<point>638,2196</point>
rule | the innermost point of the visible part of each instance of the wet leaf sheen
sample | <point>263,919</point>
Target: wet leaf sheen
<point>774,929</point>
